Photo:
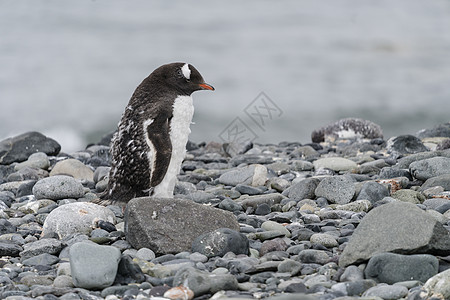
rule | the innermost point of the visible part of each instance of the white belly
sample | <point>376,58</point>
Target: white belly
<point>183,111</point>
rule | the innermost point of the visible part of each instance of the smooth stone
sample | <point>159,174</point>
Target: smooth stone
<point>431,167</point>
<point>247,189</point>
<point>19,148</point>
<point>50,246</point>
<point>63,281</point>
<point>438,286</point>
<point>275,226</point>
<point>37,160</point>
<point>301,165</point>
<point>145,254</point>
<point>336,189</point>
<point>324,240</point>
<point>41,259</point>
<point>58,187</point>
<point>406,161</point>
<point>335,163</point>
<point>352,273</point>
<point>304,189</point>
<point>442,180</point>
<point>387,292</point>
<point>392,172</point>
<point>408,196</point>
<point>405,144</point>
<point>93,266</point>
<point>78,217</point>
<point>307,153</point>
<point>230,205</point>
<point>391,268</point>
<point>171,225</point>
<point>73,168</point>
<point>279,184</point>
<point>221,241</point>
<point>394,227</point>
<point>373,192</point>
<point>204,283</point>
<point>262,209</point>
<point>289,266</point>
<point>254,175</point>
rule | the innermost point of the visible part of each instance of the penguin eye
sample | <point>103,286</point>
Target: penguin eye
<point>179,73</point>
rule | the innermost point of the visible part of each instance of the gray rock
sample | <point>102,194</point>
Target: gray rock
<point>304,189</point>
<point>438,286</point>
<point>171,225</point>
<point>254,201</point>
<point>63,281</point>
<point>50,246</point>
<point>221,241</point>
<point>390,172</point>
<point>230,205</point>
<point>393,227</point>
<point>289,266</point>
<point>32,280</point>
<point>314,256</point>
<point>391,268</point>
<point>336,189</point>
<point>78,217</point>
<point>37,160</point>
<point>431,167</point>
<point>442,180</point>
<point>73,168</point>
<point>324,239</point>
<point>408,196</point>
<point>8,248</point>
<point>255,175</point>
<point>335,163</point>
<point>352,273</point>
<point>305,153</point>
<point>41,259</point>
<point>441,130</point>
<point>58,187</point>
<point>406,161</point>
<point>292,296</point>
<point>19,148</point>
<point>405,144</point>
<point>145,254</point>
<point>204,283</point>
<point>93,266</point>
<point>373,192</point>
<point>277,244</point>
<point>387,292</point>
<point>302,165</point>
<point>347,128</point>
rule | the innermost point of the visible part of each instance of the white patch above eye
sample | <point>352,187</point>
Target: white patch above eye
<point>186,71</point>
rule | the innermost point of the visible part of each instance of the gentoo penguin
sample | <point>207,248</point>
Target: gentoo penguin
<point>150,144</point>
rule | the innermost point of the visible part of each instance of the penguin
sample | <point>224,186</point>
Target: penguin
<point>150,143</point>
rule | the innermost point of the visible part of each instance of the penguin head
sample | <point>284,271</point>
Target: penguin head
<point>183,77</point>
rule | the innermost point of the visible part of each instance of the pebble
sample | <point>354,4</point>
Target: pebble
<point>300,212</point>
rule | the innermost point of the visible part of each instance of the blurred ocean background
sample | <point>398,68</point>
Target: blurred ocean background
<point>68,68</point>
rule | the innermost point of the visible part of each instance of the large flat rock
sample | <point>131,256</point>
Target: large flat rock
<point>397,227</point>
<point>171,225</point>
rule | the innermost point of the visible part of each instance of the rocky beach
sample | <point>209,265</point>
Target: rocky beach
<point>349,215</point>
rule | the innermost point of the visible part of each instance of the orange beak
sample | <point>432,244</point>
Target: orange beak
<point>206,86</point>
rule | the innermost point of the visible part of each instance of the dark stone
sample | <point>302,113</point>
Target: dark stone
<point>105,225</point>
<point>262,209</point>
<point>405,144</point>
<point>118,290</point>
<point>296,288</point>
<point>235,148</point>
<point>248,189</point>
<point>373,192</point>
<point>19,148</point>
<point>395,227</point>
<point>41,259</point>
<point>230,205</point>
<point>356,288</point>
<point>26,188</point>
<point>391,268</point>
<point>7,197</point>
<point>220,242</point>
<point>128,271</point>
<point>9,249</point>
<point>304,189</point>
<point>360,128</point>
<point>171,225</point>
<point>445,144</point>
